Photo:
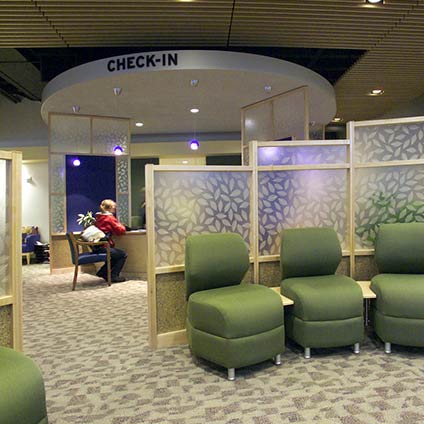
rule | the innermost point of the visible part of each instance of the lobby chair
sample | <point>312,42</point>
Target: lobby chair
<point>229,323</point>
<point>328,308</point>
<point>28,244</point>
<point>22,394</point>
<point>81,254</point>
<point>398,311</point>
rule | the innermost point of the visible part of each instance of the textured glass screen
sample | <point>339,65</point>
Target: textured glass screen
<point>109,133</point>
<point>69,134</point>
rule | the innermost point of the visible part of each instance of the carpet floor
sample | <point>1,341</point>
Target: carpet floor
<point>91,345</point>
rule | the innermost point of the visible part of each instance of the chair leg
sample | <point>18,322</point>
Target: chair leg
<point>307,353</point>
<point>387,347</point>
<point>74,283</point>
<point>277,359</point>
<point>231,374</point>
<point>356,348</point>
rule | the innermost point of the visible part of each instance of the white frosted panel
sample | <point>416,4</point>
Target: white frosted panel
<point>108,133</point>
<point>122,174</point>
<point>300,199</point>
<point>4,227</point>
<point>289,116</point>
<point>305,155</point>
<point>123,208</point>
<point>198,202</point>
<point>387,195</point>
<point>258,123</point>
<point>57,173</point>
<point>69,134</point>
<point>57,218</point>
<point>380,143</point>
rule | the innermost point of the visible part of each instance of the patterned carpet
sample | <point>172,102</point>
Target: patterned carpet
<point>91,345</point>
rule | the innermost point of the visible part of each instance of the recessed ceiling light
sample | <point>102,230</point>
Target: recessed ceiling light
<point>376,92</point>
<point>139,124</point>
<point>194,82</point>
<point>336,119</point>
<point>194,110</point>
<point>194,144</point>
<point>75,109</point>
<point>268,88</point>
<point>374,1</point>
<point>185,162</point>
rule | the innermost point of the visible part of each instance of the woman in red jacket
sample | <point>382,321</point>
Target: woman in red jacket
<point>109,224</point>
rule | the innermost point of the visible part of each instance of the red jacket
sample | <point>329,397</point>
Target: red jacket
<point>109,225</point>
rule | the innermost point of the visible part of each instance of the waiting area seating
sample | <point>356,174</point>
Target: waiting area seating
<point>30,236</point>
<point>398,314</point>
<point>230,323</point>
<point>328,308</point>
<point>81,254</point>
<point>22,394</point>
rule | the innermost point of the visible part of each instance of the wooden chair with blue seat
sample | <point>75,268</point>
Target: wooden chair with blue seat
<point>229,323</point>
<point>398,311</point>
<point>28,245</point>
<point>81,254</point>
<point>22,394</point>
<point>328,308</point>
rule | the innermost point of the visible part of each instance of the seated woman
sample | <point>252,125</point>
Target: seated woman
<point>109,224</point>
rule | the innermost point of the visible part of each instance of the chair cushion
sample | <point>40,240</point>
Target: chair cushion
<point>399,295</point>
<point>324,298</point>
<point>235,311</point>
<point>90,258</point>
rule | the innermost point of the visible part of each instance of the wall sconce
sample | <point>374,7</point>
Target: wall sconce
<point>29,180</point>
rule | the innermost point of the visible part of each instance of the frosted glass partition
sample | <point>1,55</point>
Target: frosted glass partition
<point>69,133</point>
<point>309,198</point>
<point>281,117</point>
<point>4,227</point>
<point>198,202</point>
<point>301,155</point>
<point>108,133</point>
<point>398,141</point>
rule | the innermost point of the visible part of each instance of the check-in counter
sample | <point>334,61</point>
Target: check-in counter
<point>133,242</point>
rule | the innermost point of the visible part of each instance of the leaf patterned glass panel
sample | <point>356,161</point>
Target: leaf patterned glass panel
<point>389,142</point>
<point>123,208</point>
<point>289,199</point>
<point>307,155</point>
<point>198,202</point>
<point>57,173</point>
<point>69,134</point>
<point>57,213</point>
<point>4,226</point>
<point>108,133</point>
<point>122,167</point>
<point>386,195</point>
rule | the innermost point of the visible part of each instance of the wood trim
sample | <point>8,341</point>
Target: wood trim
<point>254,216</point>
<point>169,269</point>
<point>89,116</point>
<point>389,163</point>
<point>172,338</point>
<point>306,111</point>
<point>6,300</point>
<point>364,252</point>
<point>302,143</point>
<point>271,168</point>
<point>201,168</point>
<point>151,261</point>
<point>269,258</point>
<point>387,121</point>
<point>350,199</point>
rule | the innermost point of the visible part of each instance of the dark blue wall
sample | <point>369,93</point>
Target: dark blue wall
<point>87,185</point>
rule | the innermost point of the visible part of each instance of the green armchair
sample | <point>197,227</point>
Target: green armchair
<point>229,323</point>
<point>22,395</point>
<point>328,308</point>
<point>398,311</point>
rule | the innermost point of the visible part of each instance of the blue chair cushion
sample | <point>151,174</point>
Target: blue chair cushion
<point>89,258</point>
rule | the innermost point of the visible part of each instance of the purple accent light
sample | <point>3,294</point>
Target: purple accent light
<point>76,162</point>
<point>194,144</point>
<point>118,150</point>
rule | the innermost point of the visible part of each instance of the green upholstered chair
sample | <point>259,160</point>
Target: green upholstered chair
<point>328,308</point>
<point>398,311</point>
<point>230,323</point>
<point>22,395</point>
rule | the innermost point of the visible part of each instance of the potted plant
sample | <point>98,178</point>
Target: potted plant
<point>86,220</point>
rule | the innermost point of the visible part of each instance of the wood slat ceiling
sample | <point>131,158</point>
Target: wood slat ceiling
<point>391,34</point>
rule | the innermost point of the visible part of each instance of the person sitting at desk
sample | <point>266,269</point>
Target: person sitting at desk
<point>109,224</point>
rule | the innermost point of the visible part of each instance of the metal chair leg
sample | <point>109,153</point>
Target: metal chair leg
<point>231,374</point>
<point>387,347</point>
<point>356,348</point>
<point>307,353</point>
<point>277,359</point>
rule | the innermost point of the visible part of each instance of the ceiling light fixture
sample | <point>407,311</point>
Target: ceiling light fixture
<point>374,1</point>
<point>194,82</point>
<point>336,119</point>
<point>117,91</point>
<point>185,162</point>
<point>376,92</point>
<point>194,110</point>
<point>268,88</point>
<point>118,150</point>
<point>139,124</point>
<point>75,108</point>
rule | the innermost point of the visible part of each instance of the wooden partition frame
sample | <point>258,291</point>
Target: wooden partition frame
<point>14,298</point>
